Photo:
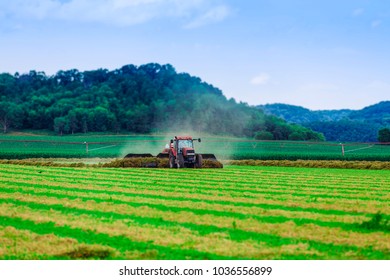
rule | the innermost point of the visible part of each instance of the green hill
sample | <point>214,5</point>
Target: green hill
<point>337,125</point>
<point>142,99</point>
<point>298,114</point>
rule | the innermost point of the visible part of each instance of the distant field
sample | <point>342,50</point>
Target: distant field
<point>80,146</point>
<point>238,212</point>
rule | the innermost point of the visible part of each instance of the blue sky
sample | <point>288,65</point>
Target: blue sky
<point>317,54</point>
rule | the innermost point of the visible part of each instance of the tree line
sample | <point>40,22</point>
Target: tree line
<point>141,99</point>
<point>365,125</point>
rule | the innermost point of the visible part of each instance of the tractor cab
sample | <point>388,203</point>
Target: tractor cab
<point>185,144</point>
<point>182,152</point>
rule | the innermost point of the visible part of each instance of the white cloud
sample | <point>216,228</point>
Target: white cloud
<point>375,23</point>
<point>261,79</point>
<point>117,12</point>
<point>358,12</point>
<point>213,15</point>
<point>37,9</point>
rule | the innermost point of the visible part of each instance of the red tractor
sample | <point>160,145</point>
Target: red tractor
<point>181,153</point>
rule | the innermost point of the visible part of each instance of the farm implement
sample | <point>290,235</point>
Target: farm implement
<point>180,153</point>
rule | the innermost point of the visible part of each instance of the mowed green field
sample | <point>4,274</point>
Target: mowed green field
<point>239,212</point>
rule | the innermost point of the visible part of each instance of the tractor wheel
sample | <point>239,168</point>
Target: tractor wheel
<point>198,161</point>
<point>172,163</point>
<point>180,160</point>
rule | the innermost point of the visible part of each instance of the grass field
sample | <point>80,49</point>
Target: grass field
<point>239,212</point>
<point>90,145</point>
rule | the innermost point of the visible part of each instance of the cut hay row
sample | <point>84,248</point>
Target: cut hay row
<point>154,162</point>
<point>342,164</point>
<point>377,191</point>
<point>179,232</point>
<point>161,236</point>
<point>305,200</point>
<point>136,213</point>
<point>372,195</point>
<point>31,245</point>
<point>285,180</point>
<point>273,172</point>
<point>188,187</point>
<point>157,190</point>
<point>117,163</point>
<point>235,211</point>
<point>163,163</point>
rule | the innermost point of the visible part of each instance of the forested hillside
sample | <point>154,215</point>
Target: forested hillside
<point>142,99</point>
<point>298,114</point>
<point>337,125</point>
